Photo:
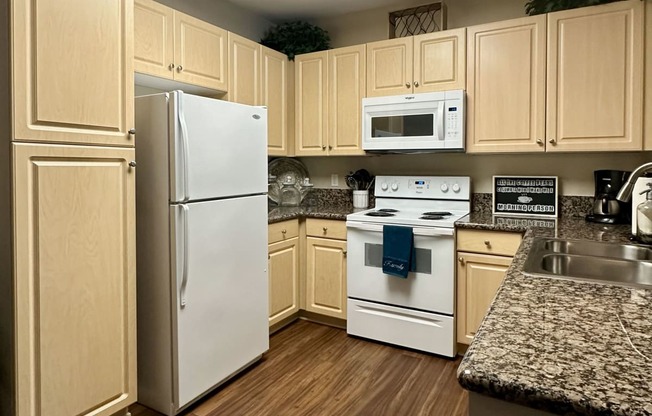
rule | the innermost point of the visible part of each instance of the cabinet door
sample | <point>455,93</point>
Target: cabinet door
<point>648,70</point>
<point>389,67</point>
<point>200,53</point>
<point>73,71</point>
<point>153,39</point>
<point>326,277</point>
<point>478,279</point>
<point>74,280</point>
<point>506,86</point>
<point>595,78</point>
<point>244,70</point>
<point>311,103</point>
<point>440,61</point>
<point>283,271</point>
<point>274,95</point>
<point>346,88</point>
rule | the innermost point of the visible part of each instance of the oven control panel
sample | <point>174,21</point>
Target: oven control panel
<point>425,187</point>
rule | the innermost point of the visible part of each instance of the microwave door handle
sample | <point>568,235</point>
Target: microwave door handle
<point>416,231</point>
<point>440,120</point>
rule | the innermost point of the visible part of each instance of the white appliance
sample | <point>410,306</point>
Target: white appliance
<point>411,123</point>
<point>643,183</point>
<point>201,245</point>
<point>419,311</point>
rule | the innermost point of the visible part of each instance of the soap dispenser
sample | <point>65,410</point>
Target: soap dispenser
<point>644,217</point>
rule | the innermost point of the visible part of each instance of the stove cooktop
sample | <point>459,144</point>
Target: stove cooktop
<point>409,216</point>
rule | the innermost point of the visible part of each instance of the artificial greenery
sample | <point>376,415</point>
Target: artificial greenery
<point>533,7</point>
<point>293,38</point>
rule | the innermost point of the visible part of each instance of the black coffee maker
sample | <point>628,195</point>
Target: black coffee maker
<point>606,209</point>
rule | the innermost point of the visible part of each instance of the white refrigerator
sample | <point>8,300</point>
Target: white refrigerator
<point>201,201</point>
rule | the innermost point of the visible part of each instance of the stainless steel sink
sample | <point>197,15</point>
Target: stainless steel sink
<point>624,264</point>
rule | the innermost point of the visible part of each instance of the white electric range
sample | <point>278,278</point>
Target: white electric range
<point>416,312</point>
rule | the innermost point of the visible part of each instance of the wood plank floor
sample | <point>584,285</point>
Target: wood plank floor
<point>313,369</point>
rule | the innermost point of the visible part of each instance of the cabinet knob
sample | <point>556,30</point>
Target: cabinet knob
<point>344,252</point>
<point>323,147</point>
<point>407,85</point>
<point>487,243</point>
<point>416,84</point>
<point>284,232</point>
<point>325,230</point>
<point>179,68</point>
<point>552,142</point>
<point>461,260</point>
<point>131,132</point>
<point>540,142</point>
<point>132,164</point>
<point>330,147</point>
<point>171,66</point>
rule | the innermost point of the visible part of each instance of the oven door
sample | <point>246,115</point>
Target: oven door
<point>430,288</point>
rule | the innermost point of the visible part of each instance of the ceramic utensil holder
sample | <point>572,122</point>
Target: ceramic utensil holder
<point>361,199</point>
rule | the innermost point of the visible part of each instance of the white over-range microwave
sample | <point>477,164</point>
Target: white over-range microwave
<point>432,121</point>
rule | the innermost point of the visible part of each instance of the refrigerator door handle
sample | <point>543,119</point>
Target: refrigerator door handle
<point>184,272</point>
<point>184,150</point>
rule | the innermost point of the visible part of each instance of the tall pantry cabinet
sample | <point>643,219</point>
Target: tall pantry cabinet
<point>68,248</point>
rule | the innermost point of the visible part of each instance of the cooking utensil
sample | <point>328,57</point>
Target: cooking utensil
<point>351,182</point>
<point>370,183</point>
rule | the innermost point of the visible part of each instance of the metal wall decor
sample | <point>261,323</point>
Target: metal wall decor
<point>417,20</point>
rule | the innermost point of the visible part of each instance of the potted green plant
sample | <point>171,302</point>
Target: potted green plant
<point>293,38</point>
<point>533,7</point>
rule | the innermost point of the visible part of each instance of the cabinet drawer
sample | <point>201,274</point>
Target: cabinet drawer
<point>326,228</point>
<point>489,242</point>
<point>280,231</point>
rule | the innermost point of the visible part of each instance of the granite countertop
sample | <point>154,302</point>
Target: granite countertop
<point>562,346</point>
<point>335,212</point>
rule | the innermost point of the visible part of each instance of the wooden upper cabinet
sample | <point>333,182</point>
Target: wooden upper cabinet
<point>346,88</point>
<point>153,39</point>
<point>274,95</point>
<point>389,67</point>
<point>72,71</point>
<point>647,127</point>
<point>595,78</point>
<point>506,86</point>
<point>200,52</point>
<point>75,279</point>
<point>440,61</point>
<point>311,103</point>
<point>175,46</point>
<point>244,70</point>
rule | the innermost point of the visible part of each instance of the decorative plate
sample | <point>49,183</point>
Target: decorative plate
<point>283,167</point>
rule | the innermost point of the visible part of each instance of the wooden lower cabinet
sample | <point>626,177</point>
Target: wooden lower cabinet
<point>483,258</point>
<point>478,278</point>
<point>75,297</point>
<point>326,277</point>
<point>283,272</point>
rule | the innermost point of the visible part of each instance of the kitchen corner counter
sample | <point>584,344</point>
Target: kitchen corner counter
<point>277,214</point>
<point>562,346</point>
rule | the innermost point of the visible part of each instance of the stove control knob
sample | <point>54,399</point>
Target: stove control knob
<point>383,186</point>
<point>456,188</point>
<point>444,187</point>
<point>395,186</point>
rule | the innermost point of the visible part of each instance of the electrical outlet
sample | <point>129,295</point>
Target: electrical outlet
<point>335,180</point>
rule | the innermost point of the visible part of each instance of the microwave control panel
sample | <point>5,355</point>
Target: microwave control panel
<point>454,119</point>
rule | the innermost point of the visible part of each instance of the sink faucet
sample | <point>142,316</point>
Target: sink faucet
<point>625,193</point>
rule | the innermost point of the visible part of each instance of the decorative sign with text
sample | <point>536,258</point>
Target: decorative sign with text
<point>525,195</point>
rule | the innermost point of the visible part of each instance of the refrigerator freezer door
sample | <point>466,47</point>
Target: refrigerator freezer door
<point>223,325</point>
<point>218,149</point>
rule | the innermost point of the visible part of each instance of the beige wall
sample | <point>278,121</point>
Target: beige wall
<point>372,25</point>
<point>575,171</point>
<point>224,14</point>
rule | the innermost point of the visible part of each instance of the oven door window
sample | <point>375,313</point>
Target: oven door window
<point>373,257</point>
<point>409,125</point>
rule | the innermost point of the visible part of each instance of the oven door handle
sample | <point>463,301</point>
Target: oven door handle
<point>415,230</point>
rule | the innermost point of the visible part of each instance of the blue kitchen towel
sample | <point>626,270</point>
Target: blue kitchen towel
<point>399,255</point>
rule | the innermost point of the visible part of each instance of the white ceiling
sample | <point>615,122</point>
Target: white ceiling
<point>306,9</point>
